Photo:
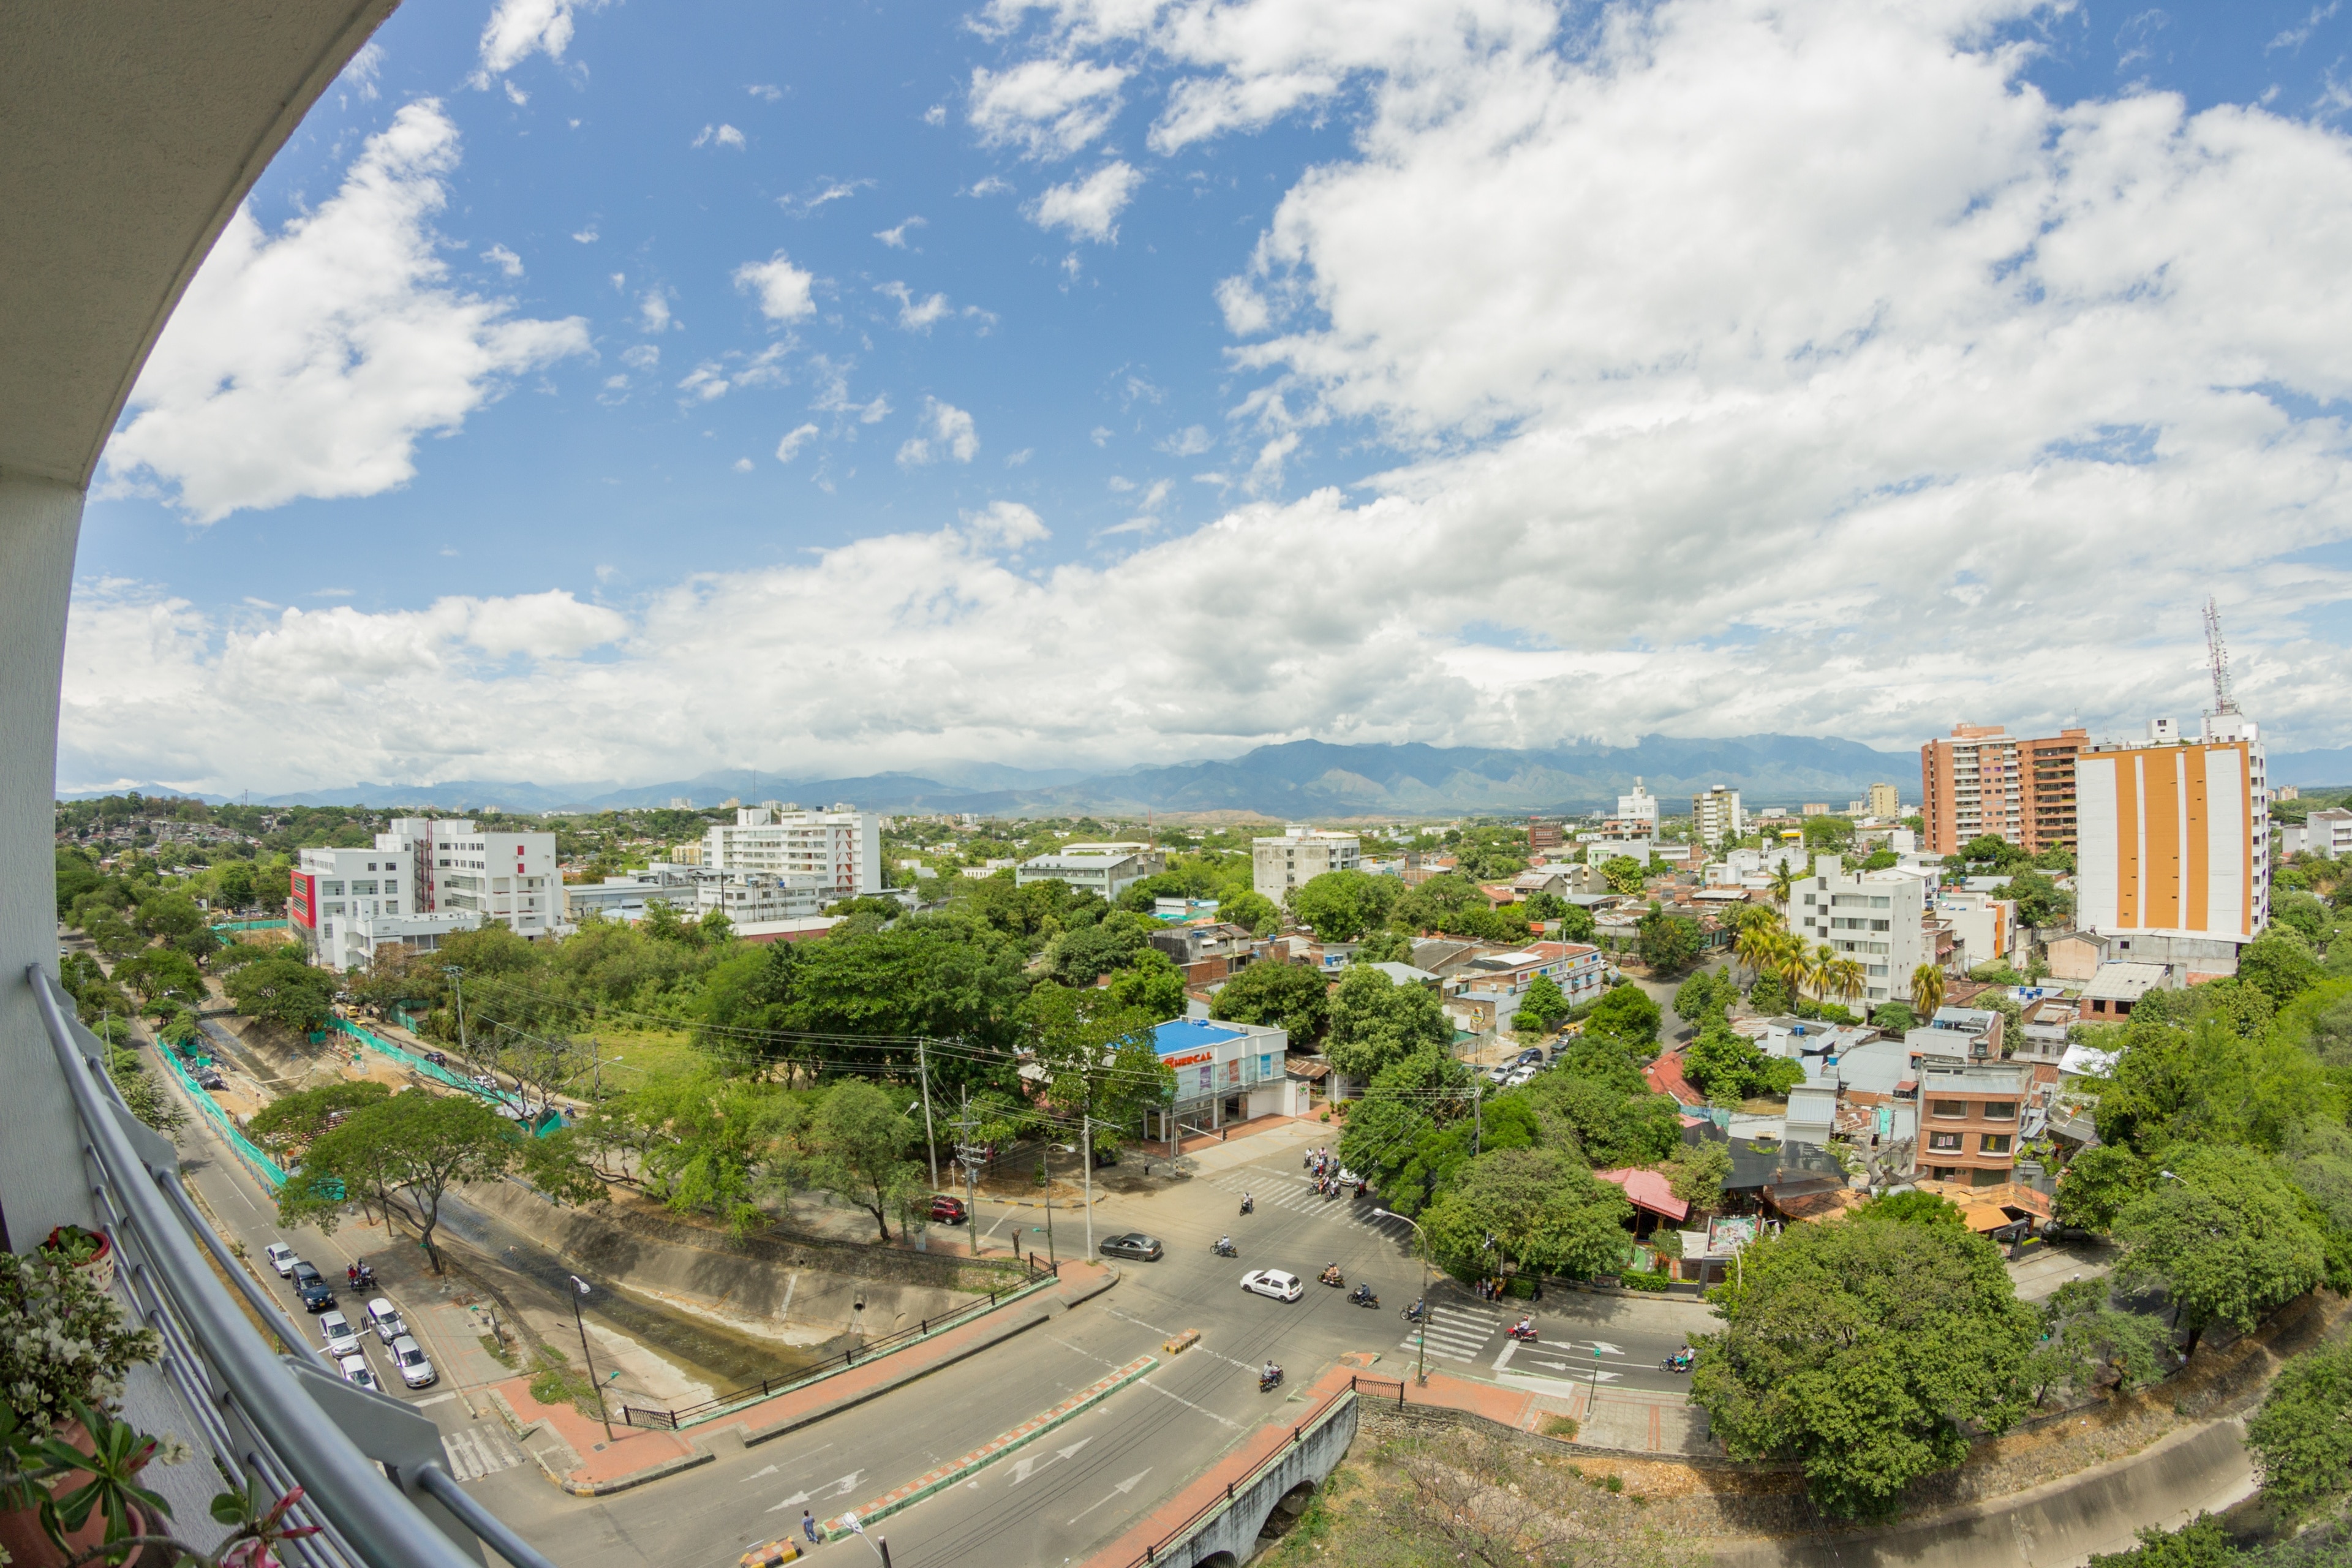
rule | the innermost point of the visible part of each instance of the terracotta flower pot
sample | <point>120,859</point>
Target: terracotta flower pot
<point>21,1535</point>
<point>99,1269</point>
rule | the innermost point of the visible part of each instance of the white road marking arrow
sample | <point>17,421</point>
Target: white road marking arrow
<point>1121,1489</point>
<point>755,1475</point>
<point>1029,1466</point>
<point>791,1501</point>
<point>1604,1347</point>
<point>843,1485</point>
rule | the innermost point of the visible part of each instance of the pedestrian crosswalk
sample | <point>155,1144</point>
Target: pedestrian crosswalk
<point>1456,1334</point>
<point>1299,1197</point>
<point>478,1451</point>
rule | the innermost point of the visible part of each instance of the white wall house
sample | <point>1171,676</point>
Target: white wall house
<point>500,875</point>
<point>1872,917</point>
<point>1106,869</point>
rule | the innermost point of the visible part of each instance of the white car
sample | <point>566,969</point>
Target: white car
<point>1273,1282</point>
<point>1348,1178</point>
<point>385,1318</point>
<point>357,1371</point>
<point>409,1361</point>
<point>1499,1074</point>
<point>336,1329</point>
<point>281,1257</point>
<point>1518,1075</point>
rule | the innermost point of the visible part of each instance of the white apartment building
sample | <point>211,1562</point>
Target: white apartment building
<point>1640,807</point>
<point>502,876</point>
<point>345,904</point>
<point>1106,869</point>
<point>1299,856</point>
<point>1715,817</point>
<point>1871,916</point>
<point>841,848</point>
<point>2173,839</point>
<point>2327,831</point>
<point>750,898</point>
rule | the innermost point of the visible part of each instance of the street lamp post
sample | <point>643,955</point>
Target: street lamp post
<point>1420,1339</point>
<point>581,1289</point>
<point>458,977</point>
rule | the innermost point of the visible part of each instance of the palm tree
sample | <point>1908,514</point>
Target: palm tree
<point>1789,963</point>
<point>1783,884</point>
<point>1927,991</point>
<point>1760,933</point>
<point>1844,978</point>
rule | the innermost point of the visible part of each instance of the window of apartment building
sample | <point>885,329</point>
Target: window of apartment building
<point>2000,1111</point>
<point>1947,1142</point>
<point>1952,1108</point>
<point>364,887</point>
<point>1993,1143</point>
<point>332,889</point>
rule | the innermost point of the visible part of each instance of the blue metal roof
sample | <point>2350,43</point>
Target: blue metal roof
<point>1178,1035</point>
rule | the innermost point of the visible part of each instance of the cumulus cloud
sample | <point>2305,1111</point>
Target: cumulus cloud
<point>896,238</point>
<point>790,446</point>
<point>653,310</point>
<point>948,432</point>
<point>916,315</point>
<point>1047,108</point>
<point>782,287</point>
<point>519,28</point>
<point>308,362</point>
<point>506,260</point>
<point>1960,420</point>
<point>721,136</point>
<point>1088,208</point>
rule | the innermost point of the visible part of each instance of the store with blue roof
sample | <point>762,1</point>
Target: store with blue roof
<point>1225,1072</point>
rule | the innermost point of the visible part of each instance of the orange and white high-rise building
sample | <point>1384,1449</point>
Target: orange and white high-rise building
<point>1983,780</point>
<point>2173,834</point>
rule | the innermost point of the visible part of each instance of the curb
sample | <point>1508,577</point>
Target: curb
<point>995,1449</point>
<point>754,1436</point>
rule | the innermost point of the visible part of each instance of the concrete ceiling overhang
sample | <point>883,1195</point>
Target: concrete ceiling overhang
<point>130,131</point>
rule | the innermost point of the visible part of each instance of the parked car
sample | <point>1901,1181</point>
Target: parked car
<point>1134,1244</point>
<point>1273,1282</point>
<point>409,1361</point>
<point>342,1340</point>
<point>384,1320</point>
<point>436,1058</point>
<point>281,1257</point>
<point>1532,1054</point>
<point>1501,1073</point>
<point>312,1287</point>
<point>486,1080</point>
<point>1518,1075</point>
<point>357,1371</point>
<point>947,1210</point>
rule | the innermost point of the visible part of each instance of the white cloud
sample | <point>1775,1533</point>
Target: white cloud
<point>744,465</point>
<point>1265,474</point>
<point>782,288</point>
<point>936,114</point>
<point>723,136</point>
<point>515,95</point>
<point>643,356</point>
<point>365,67</point>
<point>705,383</point>
<point>790,446</point>
<point>307,362</point>
<point>826,191</point>
<point>652,311</point>
<point>1088,208</point>
<point>896,238</point>
<point>1960,422</point>
<point>585,235</point>
<point>506,260</point>
<point>949,433</point>
<point>1189,442</point>
<point>916,315</point>
<point>989,186</point>
<point>1048,108</point>
<point>766,93</point>
<point>519,28</point>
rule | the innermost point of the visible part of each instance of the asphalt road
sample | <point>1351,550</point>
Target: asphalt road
<point>1095,1474</point>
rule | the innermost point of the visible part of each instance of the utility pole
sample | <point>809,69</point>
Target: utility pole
<point>586,1354</point>
<point>1045,1159</point>
<point>930,1142</point>
<point>458,977</point>
<point>1086,1148</point>
<point>967,1154</point>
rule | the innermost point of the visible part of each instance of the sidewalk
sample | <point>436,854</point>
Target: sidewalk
<point>577,1456</point>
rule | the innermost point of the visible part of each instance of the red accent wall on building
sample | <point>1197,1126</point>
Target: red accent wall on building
<point>302,901</point>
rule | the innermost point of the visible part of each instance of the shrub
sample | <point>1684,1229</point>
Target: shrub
<point>1638,1279</point>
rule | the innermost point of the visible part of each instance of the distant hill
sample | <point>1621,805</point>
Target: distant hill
<point>1299,778</point>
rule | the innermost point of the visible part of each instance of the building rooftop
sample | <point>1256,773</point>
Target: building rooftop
<point>1182,1034</point>
<point>2124,982</point>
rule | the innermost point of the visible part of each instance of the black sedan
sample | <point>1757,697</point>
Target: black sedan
<point>1134,1244</point>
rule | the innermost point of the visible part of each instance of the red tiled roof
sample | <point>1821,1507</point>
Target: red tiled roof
<point>1648,1190</point>
<point>1665,1076</point>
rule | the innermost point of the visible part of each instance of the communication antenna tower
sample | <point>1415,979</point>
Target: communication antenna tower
<point>2218,654</point>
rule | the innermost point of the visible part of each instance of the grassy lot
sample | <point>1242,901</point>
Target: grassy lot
<point>629,1054</point>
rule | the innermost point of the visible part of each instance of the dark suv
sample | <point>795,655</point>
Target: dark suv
<point>312,1287</point>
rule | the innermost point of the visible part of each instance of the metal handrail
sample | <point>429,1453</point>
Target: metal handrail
<point>345,1487</point>
<point>493,1530</point>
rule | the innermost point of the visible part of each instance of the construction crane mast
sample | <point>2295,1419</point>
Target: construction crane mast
<point>2219,656</point>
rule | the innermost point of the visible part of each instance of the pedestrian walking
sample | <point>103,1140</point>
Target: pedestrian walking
<point>808,1526</point>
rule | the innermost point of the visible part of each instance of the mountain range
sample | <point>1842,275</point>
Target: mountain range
<point>1296,779</point>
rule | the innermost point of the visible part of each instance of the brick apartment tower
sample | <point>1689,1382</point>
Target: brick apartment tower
<point>1984,780</point>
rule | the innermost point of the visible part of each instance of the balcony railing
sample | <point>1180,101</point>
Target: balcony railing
<point>371,1468</point>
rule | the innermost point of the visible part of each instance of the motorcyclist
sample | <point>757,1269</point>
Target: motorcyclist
<point>1419,1310</point>
<point>1525,1328</point>
<point>1226,1244</point>
<point>1248,1203</point>
<point>1330,1274</point>
<point>1272,1373</point>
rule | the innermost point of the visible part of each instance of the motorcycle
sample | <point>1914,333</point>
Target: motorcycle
<point>1363,1297</point>
<point>1526,1331</point>
<point>1415,1313</point>
<point>1676,1364</point>
<point>1223,1249</point>
<point>1266,1383</point>
<point>1332,1276</point>
<point>1249,1205</point>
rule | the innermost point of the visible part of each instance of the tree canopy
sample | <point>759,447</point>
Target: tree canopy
<point>1287,997</point>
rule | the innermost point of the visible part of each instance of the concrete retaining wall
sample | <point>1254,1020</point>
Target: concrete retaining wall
<point>782,1291</point>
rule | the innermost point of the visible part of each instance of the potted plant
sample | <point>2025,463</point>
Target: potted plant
<point>90,1251</point>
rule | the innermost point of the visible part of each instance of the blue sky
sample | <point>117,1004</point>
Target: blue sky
<point>611,391</point>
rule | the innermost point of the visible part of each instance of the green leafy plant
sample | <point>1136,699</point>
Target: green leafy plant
<point>63,1343</point>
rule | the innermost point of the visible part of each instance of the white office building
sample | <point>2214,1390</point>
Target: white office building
<point>1106,870</point>
<point>2325,832</point>
<point>1870,916</point>
<point>1299,856</point>
<point>347,904</point>
<point>842,848</point>
<point>1715,817</point>
<point>502,875</point>
<point>1640,807</point>
<point>752,898</point>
